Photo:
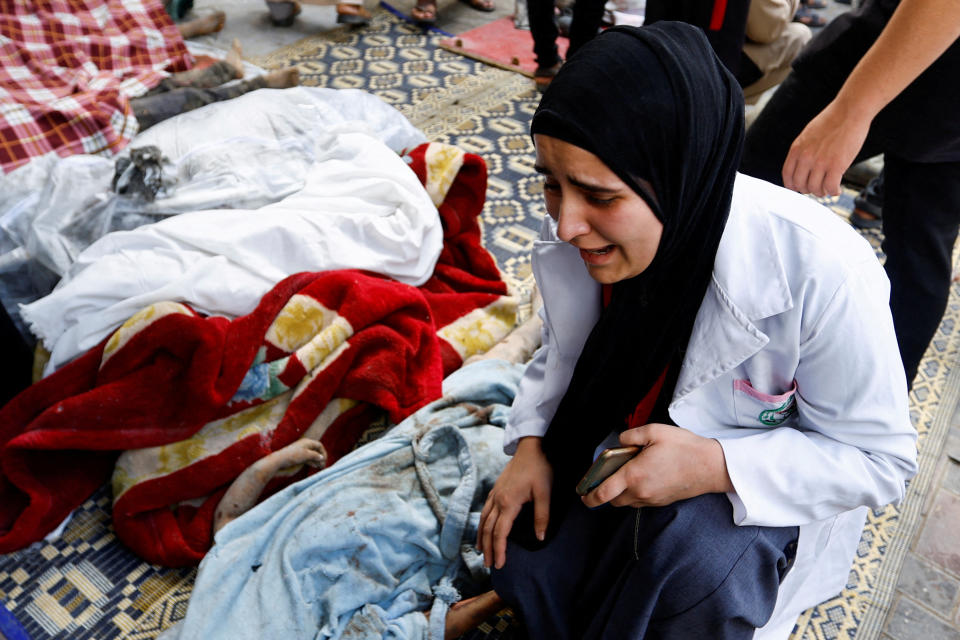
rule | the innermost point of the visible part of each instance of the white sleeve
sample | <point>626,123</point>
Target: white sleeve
<point>854,443</point>
<point>539,393</point>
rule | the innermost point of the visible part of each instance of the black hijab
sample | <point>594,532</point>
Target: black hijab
<point>655,104</point>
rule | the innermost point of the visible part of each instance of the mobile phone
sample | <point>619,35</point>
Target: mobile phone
<point>603,467</point>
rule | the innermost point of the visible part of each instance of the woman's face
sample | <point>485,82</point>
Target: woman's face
<point>613,227</point>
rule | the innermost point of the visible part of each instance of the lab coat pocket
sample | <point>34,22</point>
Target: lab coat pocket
<point>756,409</point>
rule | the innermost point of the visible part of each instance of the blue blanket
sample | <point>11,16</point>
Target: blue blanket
<point>364,547</point>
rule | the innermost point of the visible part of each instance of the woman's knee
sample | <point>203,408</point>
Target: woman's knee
<point>692,547</point>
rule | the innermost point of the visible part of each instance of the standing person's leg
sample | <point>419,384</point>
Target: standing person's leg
<point>587,17</point>
<point>151,109</point>
<point>543,28</point>
<point>921,216</point>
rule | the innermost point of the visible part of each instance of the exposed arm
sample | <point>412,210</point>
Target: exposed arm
<point>916,35</point>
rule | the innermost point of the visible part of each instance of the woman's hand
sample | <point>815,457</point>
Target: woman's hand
<point>674,464</point>
<point>527,476</point>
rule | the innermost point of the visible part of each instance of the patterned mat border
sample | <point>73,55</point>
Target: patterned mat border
<point>871,624</point>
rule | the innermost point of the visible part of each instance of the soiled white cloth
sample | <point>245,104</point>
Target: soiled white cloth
<point>359,206</point>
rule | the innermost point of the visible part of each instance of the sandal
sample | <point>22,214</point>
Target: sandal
<point>425,12</point>
<point>809,18</point>
<point>814,4</point>
<point>353,14</point>
<point>868,205</point>
<point>481,5</point>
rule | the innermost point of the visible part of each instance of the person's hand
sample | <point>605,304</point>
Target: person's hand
<point>674,464</point>
<point>527,476</point>
<point>825,148</point>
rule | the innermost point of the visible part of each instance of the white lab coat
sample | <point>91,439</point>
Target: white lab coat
<point>796,316</point>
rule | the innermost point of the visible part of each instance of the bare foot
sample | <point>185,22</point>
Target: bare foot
<point>209,23</point>
<point>467,615</point>
<point>283,78</point>
<point>246,489</point>
<point>234,58</point>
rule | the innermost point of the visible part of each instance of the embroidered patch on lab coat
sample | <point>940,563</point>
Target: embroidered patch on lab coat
<point>756,409</point>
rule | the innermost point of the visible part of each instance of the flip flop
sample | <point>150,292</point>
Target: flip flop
<point>353,14</point>
<point>814,4</point>
<point>481,5</point>
<point>427,13</point>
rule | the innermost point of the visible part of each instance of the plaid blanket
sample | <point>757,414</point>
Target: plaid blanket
<point>195,400</point>
<point>69,67</point>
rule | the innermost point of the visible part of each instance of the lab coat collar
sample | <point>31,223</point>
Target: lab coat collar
<point>749,283</point>
<point>571,298</point>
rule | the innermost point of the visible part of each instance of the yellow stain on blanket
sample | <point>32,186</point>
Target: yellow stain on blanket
<point>140,321</point>
<point>138,465</point>
<point>300,321</point>
<point>479,330</point>
<point>443,164</point>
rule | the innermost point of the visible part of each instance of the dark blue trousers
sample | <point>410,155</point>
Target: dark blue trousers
<point>680,571</point>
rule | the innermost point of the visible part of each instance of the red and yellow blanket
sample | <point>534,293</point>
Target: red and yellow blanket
<point>192,401</point>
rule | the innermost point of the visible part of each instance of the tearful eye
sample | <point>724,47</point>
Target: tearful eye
<point>601,201</point>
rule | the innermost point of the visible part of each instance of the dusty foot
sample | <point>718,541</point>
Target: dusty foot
<point>283,78</point>
<point>209,23</point>
<point>353,14</point>
<point>246,489</point>
<point>425,12</point>
<point>234,58</point>
<point>467,614</point>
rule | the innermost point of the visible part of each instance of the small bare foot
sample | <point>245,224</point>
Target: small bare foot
<point>234,58</point>
<point>467,615</point>
<point>283,78</point>
<point>244,492</point>
<point>209,23</point>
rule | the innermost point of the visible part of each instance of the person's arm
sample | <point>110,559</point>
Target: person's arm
<point>917,34</point>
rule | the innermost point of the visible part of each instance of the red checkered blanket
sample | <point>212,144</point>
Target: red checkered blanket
<point>69,67</point>
<point>193,400</point>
